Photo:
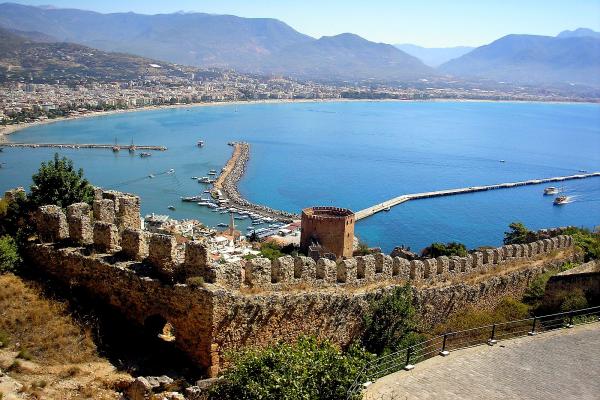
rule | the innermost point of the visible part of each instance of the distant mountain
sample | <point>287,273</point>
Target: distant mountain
<point>434,56</point>
<point>579,32</point>
<point>245,44</point>
<point>532,60</point>
<point>346,57</point>
<point>22,59</point>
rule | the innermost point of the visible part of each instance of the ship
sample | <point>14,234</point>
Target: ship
<point>550,190</point>
<point>192,198</point>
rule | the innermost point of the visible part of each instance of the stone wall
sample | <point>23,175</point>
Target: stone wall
<point>258,302</point>
<point>585,277</point>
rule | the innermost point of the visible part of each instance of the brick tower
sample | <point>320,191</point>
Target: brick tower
<point>330,227</point>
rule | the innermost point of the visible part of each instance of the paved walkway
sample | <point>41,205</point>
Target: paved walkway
<point>563,364</point>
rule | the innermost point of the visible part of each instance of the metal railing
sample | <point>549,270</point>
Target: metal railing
<point>488,334</point>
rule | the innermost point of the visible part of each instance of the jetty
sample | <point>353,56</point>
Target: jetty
<point>367,212</point>
<point>84,146</point>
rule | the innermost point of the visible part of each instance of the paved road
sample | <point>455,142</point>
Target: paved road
<point>562,364</point>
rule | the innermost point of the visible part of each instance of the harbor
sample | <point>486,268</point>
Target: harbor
<point>386,205</point>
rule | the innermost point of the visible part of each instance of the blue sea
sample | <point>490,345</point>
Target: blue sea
<point>349,154</point>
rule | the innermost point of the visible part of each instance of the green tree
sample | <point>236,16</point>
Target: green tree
<point>586,240</point>
<point>390,323</point>
<point>517,234</point>
<point>9,255</point>
<point>271,250</point>
<point>449,249</point>
<point>57,182</point>
<point>309,369</point>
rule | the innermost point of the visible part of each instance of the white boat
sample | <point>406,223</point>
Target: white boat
<point>387,209</point>
<point>145,154</point>
<point>502,161</point>
<point>222,224</point>
<point>550,190</point>
<point>560,200</point>
<point>241,217</point>
<point>192,198</point>
<point>172,208</point>
<point>171,171</point>
<point>151,176</point>
<point>200,143</point>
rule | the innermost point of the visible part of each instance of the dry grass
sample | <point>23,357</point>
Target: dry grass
<point>43,330</point>
<point>46,351</point>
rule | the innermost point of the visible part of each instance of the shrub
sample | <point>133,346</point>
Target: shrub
<point>537,288</point>
<point>574,300</point>
<point>10,260</point>
<point>519,234</point>
<point>586,240</point>
<point>390,323</point>
<point>271,250</point>
<point>309,369</point>
<point>362,249</point>
<point>449,249</point>
<point>195,282</point>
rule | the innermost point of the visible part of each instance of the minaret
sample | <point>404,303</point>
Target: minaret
<point>231,224</point>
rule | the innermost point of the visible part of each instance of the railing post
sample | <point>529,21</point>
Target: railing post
<point>408,365</point>
<point>533,332</point>
<point>570,324</point>
<point>492,341</point>
<point>444,352</point>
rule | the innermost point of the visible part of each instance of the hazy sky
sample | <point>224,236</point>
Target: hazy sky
<point>425,22</point>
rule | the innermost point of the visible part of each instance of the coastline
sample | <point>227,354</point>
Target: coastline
<point>7,130</point>
<point>226,186</point>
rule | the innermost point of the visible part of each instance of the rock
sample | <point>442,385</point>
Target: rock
<point>140,389</point>
<point>168,396</point>
<point>194,393</point>
<point>159,382</point>
<point>205,384</point>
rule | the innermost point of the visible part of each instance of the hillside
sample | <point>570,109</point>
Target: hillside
<point>434,56</point>
<point>347,57</point>
<point>532,59</point>
<point>28,60</point>
<point>579,32</point>
<point>245,44</point>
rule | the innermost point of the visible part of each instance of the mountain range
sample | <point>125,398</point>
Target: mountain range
<point>26,56</point>
<point>434,56</point>
<point>259,45</point>
<point>271,47</point>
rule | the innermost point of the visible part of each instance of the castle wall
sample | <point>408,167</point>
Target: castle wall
<point>258,302</point>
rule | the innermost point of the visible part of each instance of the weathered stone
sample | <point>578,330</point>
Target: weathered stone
<point>140,389</point>
<point>106,237</point>
<point>258,272</point>
<point>488,256</point>
<point>429,269</point>
<point>230,275</point>
<point>305,269</point>
<point>498,255</point>
<point>443,266</point>
<point>416,270</point>
<point>129,212</point>
<point>80,224</point>
<point>196,259</point>
<point>401,268</point>
<point>383,265</point>
<point>467,264</point>
<point>365,267</point>
<point>346,271</point>
<point>52,224</point>
<point>134,244</point>
<point>282,269</point>
<point>162,253</point>
<point>477,264</point>
<point>326,270</point>
<point>104,211</point>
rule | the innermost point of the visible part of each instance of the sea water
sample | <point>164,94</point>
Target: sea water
<point>349,154</point>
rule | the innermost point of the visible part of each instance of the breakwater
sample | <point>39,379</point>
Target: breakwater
<point>226,186</point>
<point>367,212</point>
<point>83,146</point>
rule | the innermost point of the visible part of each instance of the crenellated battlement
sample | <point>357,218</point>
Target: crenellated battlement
<point>112,230</point>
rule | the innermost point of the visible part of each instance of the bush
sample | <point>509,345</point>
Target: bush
<point>449,249</point>
<point>271,250</point>
<point>390,324</point>
<point>57,182</point>
<point>519,234</point>
<point>586,240</point>
<point>537,288</point>
<point>10,260</point>
<point>310,369</point>
<point>574,300</point>
<point>195,282</point>
<point>362,249</point>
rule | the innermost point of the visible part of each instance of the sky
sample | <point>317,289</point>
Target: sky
<point>429,23</point>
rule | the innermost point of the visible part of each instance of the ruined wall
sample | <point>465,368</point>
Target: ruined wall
<point>258,302</point>
<point>585,277</point>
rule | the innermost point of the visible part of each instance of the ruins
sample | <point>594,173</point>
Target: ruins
<point>213,307</point>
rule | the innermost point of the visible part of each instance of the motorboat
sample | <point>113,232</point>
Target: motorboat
<point>550,190</point>
<point>171,171</point>
<point>502,161</point>
<point>144,154</point>
<point>387,209</point>
<point>222,224</point>
<point>200,143</point>
<point>560,200</point>
<point>172,208</point>
<point>151,176</point>
<point>192,198</point>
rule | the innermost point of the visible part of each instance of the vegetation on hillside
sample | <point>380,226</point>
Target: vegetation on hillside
<point>310,369</point>
<point>391,322</point>
<point>588,241</point>
<point>10,260</point>
<point>518,234</point>
<point>449,249</point>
